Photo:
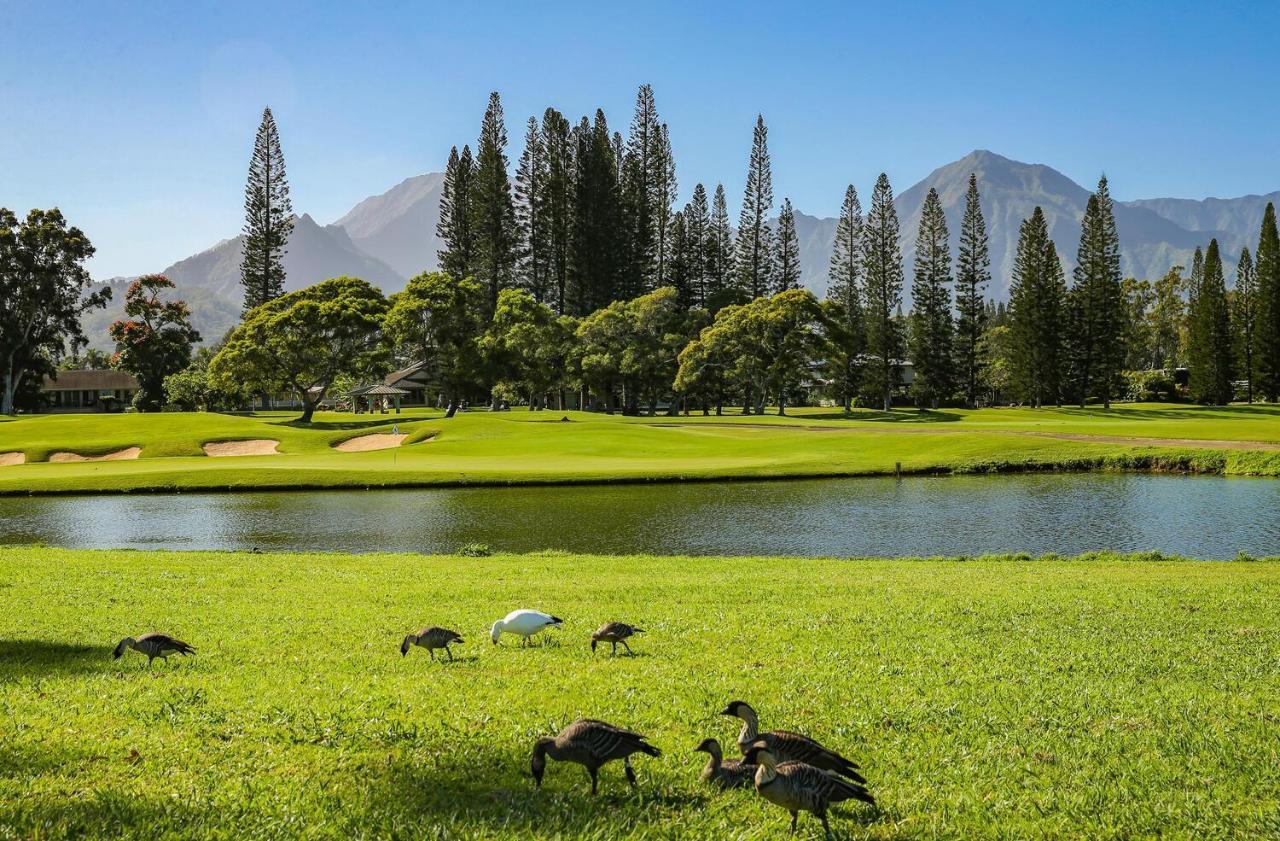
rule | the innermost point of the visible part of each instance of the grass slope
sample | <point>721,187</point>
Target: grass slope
<point>524,447</point>
<point>1093,697</point>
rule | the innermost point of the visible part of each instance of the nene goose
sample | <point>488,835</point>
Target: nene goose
<point>614,633</point>
<point>797,786</point>
<point>431,638</point>
<point>726,773</point>
<point>787,746</point>
<point>590,743</point>
<point>526,623</point>
<point>153,645</point>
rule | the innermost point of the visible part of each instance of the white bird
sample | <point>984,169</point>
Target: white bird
<point>526,623</point>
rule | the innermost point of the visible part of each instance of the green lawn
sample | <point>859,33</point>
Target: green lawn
<point>521,447</point>
<point>1104,697</point>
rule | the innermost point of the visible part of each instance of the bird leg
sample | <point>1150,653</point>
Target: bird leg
<point>595,779</point>
<point>826,827</point>
<point>631,773</point>
<point>432,652</point>
<point>628,648</point>
<point>614,650</point>
<point>794,815</point>
<point>450,653</point>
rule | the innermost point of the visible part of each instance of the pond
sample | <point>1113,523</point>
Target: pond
<point>1209,517</point>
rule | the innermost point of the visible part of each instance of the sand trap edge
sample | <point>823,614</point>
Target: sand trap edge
<point>12,459</point>
<point>252,447</point>
<point>372,441</point>
<point>65,457</point>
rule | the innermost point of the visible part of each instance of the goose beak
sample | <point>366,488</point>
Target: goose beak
<point>727,711</point>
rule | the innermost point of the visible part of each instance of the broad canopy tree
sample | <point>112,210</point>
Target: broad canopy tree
<point>154,340</point>
<point>438,319</point>
<point>525,348</point>
<point>44,289</point>
<point>303,341</point>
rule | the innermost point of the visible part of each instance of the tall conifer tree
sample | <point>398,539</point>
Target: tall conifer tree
<point>558,202</point>
<point>786,267</point>
<point>1209,348</point>
<point>639,188</point>
<point>697,221</point>
<point>268,218</point>
<point>664,198</point>
<point>973,273</point>
<point>1097,302</point>
<point>1267,268</point>
<point>493,210</point>
<point>1037,300</point>
<point>454,227</point>
<point>1245,320</point>
<point>531,199</point>
<point>755,237</point>
<point>930,344</point>
<point>720,255</point>
<point>882,274</point>
<point>597,236</point>
<point>845,299</point>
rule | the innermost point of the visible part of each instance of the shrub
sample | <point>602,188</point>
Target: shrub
<point>474,550</point>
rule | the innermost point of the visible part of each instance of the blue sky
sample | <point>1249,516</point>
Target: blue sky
<point>137,118</point>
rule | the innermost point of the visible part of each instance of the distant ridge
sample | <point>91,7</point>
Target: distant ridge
<point>390,237</point>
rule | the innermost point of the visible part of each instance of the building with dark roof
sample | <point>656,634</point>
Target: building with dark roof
<point>87,391</point>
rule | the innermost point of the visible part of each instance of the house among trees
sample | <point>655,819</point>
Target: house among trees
<point>88,391</point>
<point>415,380</point>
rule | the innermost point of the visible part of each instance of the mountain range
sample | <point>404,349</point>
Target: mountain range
<point>390,237</point>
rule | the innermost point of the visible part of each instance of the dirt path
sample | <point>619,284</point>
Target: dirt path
<point>891,429</point>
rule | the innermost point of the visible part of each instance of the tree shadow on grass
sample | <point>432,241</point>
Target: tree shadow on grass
<point>483,786</point>
<point>331,426</point>
<point>41,658</point>
<point>923,416</point>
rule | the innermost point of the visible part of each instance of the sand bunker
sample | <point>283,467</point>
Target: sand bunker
<point>373,441</point>
<point>255,447</point>
<point>118,455</point>
<point>10,459</point>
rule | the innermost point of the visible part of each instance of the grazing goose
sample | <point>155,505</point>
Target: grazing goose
<point>153,645</point>
<point>590,743</point>
<point>798,786</point>
<point>615,632</point>
<point>431,638</point>
<point>726,773</point>
<point>526,623</point>
<point>787,746</point>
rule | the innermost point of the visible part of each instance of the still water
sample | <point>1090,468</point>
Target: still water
<point>1208,517</point>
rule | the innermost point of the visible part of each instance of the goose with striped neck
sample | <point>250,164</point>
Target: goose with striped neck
<point>726,773</point>
<point>523,623</point>
<point>800,787</point>
<point>590,743</point>
<point>787,746</point>
<point>153,645</point>
<point>431,638</point>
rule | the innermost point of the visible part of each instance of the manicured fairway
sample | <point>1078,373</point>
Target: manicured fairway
<point>1092,697</point>
<point>521,447</point>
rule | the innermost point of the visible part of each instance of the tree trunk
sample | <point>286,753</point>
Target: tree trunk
<point>6,396</point>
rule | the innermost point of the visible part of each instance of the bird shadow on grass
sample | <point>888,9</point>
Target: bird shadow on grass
<point>21,658</point>
<point>491,787</point>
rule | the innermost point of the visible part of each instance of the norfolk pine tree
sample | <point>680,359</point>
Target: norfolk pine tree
<point>844,301</point>
<point>455,227</point>
<point>930,344</point>
<point>786,267</point>
<point>1267,269</point>
<point>1098,311</point>
<point>755,237</point>
<point>882,282</point>
<point>1210,347</point>
<point>1245,320</point>
<point>268,218</point>
<point>494,218</point>
<point>973,273</point>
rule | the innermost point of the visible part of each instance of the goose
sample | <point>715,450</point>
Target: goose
<point>590,743</point>
<point>787,746</point>
<point>153,645</point>
<point>614,633</point>
<point>726,773</point>
<point>798,786</point>
<point>526,623</point>
<point>431,638</point>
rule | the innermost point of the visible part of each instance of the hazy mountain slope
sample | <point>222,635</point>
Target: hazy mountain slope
<point>1240,216</point>
<point>210,281</point>
<point>398,227</point>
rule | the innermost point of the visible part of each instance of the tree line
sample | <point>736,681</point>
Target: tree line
<point>579,280</point>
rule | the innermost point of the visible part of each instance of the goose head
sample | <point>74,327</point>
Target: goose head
<point>711,746</point>
<point>759,754</point>
<point>408,641</point>
<point>738,709</point>
<point>538,761</point>
<point>122,647</point>
<point>496,631</point>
